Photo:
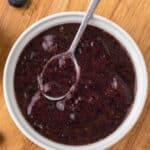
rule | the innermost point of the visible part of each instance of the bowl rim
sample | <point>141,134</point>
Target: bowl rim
<point>123,129</point>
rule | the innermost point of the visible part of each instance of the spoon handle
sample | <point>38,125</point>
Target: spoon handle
<point>89,13</point>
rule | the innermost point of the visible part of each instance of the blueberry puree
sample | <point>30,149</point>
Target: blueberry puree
<point>102,98</point>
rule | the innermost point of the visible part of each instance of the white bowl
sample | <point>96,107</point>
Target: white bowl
<point>100,22</point>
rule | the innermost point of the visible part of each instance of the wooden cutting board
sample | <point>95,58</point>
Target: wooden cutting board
<point>132,15</point>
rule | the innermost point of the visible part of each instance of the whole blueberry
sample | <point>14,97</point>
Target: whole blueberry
<point>17,3</point>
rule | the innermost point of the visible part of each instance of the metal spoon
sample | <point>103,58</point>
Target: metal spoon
<point>70,53</point>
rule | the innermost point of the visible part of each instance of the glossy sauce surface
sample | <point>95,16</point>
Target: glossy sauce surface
<point>100,102</point>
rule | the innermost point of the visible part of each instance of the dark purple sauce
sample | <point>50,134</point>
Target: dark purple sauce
<point>102,99</point>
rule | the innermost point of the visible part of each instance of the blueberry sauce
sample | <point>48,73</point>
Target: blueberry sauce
<point>100,102</point>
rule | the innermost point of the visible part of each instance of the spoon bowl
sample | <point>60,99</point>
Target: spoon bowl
<point>61,56</point>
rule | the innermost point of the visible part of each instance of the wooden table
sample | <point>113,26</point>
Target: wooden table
<point>132,15</point>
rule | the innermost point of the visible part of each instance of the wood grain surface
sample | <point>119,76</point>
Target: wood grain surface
<point>132,15</point>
